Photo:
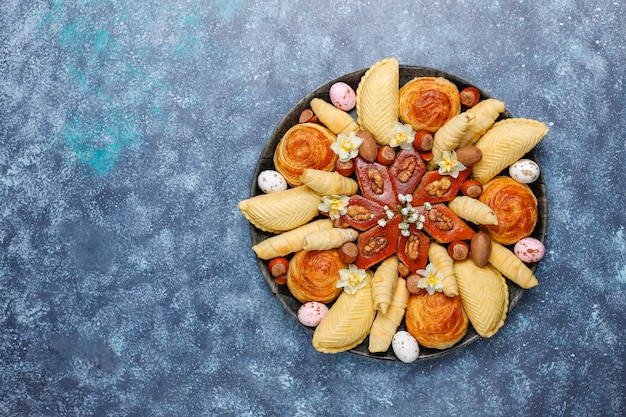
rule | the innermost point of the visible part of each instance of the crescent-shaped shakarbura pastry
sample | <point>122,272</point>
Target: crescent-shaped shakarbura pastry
<point>473,210</point>
<point>289,242</point>
<point>427,103</point>
<point>304,145</point>
<point>436,321</point>
<point>313,275</point>
<point>515,206</point>
<point>348,321</point>
<point>335,119</point>
<point>329,238</point>
<point>504,143</point>
<point>377,99</point>
<point>449,136</point>
<point>383,283</point>
<point>439,257</point>
<point>282,210</point>
<point>485,296</point>
<point>386,324</point>
<point>485,113</point>
<point>329,183</point>
<point>511,266</point>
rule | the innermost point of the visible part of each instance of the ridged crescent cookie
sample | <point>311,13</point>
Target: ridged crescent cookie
<point>283,210</point>
<point>377,99</point>
<point>348,322</point>
<point>485,296</point>
<point>504,143</point>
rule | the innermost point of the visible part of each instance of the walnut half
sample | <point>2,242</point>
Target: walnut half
<point>440,220</point>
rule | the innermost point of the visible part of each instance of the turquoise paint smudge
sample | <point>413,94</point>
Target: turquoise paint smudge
<point>98,142</point>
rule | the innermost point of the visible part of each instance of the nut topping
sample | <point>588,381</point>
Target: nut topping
<point>439,187</point>
<point>440,220</point>
<point>376,180</point>
<point>412,247</point>
<point>406,169</point>
<point>359,213</point>
<point>374,245</point>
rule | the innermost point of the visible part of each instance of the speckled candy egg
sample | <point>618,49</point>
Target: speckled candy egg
<point>524,171</point>
<point>342,96</point>
<point>312,313</point>
<point>529,249</point>
<point>271,181</point>
<point>405,346</point>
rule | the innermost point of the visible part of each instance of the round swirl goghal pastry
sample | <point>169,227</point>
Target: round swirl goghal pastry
<point>515,206</point>
<point>313,275</point>
<point>305,145</point>
<point>436,321</point>
<point>427,103</point>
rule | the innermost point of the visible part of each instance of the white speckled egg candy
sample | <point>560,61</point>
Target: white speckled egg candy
<point>529,249</point>
<point>342,96</point>
<point>312,313</point>
<point>405,346</point>
<point>524,171</point>
<point>271,181</point>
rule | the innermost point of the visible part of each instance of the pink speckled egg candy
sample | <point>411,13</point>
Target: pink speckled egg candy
<point>312,313</point>
<point>529,249</point>
<point>342,96</point>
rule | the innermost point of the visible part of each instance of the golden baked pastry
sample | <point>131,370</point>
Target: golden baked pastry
<point>436,321</point>
<point>427,103</point>
<point>291,241</point>
<point>313,275</point>
<point>449,136</point>
<point>472,210</point>
<point>377,99</point>
<point>515,206</point>
<point>305,145</point>
<point>386,324</point>
<point>329,183</point>
<point>335,119</point>
<point>485,296</point>
<point>282,210</point>
<point>504,143</point>
<point>485,113</point>
<point>511,266</point>
<point>348,321</point>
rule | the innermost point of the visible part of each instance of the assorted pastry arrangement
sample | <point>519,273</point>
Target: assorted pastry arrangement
<point>397,213</point>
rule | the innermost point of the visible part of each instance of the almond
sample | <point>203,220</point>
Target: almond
<point>469,155</point>
<point>480,247</point>
<point>368,149</point>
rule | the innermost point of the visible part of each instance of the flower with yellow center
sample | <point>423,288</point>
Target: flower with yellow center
<point>352,279</point>
<point>449,165</point>
<point>431,281</point>
<point>334,205</point>
<point>401,135</point>
<point>346,146</point>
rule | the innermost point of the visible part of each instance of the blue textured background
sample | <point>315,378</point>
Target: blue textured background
<point>130,130</point>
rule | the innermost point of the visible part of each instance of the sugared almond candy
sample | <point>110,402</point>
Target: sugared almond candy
<point>472,188</point>
<point>386,155</point>
<point>480,246</point>
<point>423,141</point>
<point>368,149</point>
<point>469,155</point>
